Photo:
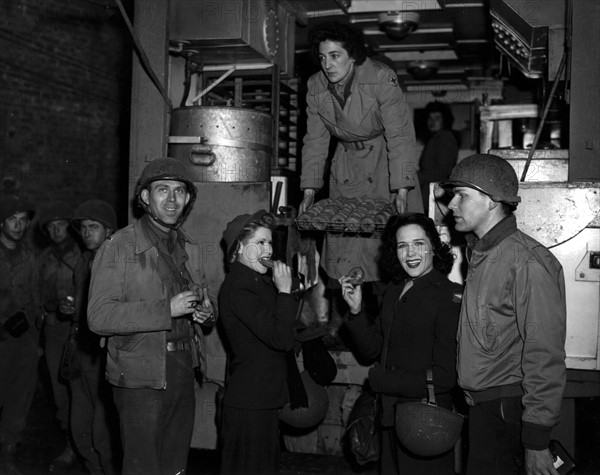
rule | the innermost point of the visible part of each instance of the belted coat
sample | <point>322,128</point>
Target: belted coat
<point>376,154</point>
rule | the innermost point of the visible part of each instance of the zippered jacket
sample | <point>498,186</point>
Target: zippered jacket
<point>512,328</point>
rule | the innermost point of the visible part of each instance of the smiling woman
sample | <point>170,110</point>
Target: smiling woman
<point>257,314</point>
<point>414,332</point>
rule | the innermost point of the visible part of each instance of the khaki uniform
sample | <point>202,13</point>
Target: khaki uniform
<point>375,157</point>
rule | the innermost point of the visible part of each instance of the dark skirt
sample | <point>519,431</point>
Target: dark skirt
<point>250,441</point>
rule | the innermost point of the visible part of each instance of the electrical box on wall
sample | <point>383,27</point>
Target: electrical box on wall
<point>234,32</point>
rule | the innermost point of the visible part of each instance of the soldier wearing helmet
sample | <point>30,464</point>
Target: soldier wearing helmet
<point>511,355</point>
<point>148,296</point>
<point>56,264</point>
<point>91,405</point>
<point>19,309</point>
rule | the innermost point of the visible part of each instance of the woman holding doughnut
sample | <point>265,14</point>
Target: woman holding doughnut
<point>258,313</point>
<point>415,331</point>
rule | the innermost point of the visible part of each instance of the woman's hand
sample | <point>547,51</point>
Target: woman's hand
<point>307,201</point>
<point>352,294</point>
<point>282,277</point>
<point>400,200</point>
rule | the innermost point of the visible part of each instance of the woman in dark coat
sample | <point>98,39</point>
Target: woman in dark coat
<point>257,316</point>
<point>441,149</point>
<point>414,331</point>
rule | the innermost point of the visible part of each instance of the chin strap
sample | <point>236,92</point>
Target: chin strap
<point>166,225</point>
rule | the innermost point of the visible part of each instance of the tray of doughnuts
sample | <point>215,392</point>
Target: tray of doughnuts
<point>347,215</point>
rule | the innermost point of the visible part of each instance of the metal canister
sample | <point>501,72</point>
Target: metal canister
<point>223,144</point>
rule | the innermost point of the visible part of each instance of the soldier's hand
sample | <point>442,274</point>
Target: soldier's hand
<point>183,303</point>
<point>67,306</point>
<point>204,312</point>
<point>539,462</point>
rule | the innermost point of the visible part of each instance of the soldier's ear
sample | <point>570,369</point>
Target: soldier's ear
<point>144,196</point>
<point>493,204</point>
<point>109,231</point>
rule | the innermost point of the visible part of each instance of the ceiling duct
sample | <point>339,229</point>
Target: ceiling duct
<point>398,25</point>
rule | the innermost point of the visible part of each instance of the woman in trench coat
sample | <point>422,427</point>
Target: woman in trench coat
<point>358,101</point>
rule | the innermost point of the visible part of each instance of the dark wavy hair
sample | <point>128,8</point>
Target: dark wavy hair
<point>445,110</point>
<point>351,40</point>
<point>390,267</point>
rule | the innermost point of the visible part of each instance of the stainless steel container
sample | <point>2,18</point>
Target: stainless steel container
<point>222,144</point>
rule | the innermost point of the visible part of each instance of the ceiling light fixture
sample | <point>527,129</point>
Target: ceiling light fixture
<point>421,70</point>
<point>398,25</point>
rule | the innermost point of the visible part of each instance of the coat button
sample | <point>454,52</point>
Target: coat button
<point>370,180</point>
<point>346,181</point>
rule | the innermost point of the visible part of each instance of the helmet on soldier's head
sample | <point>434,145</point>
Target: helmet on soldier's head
<point>54,211</point>
<point>166,169</point>
<point>96,210</point>
<point>488,174</point>
<point>12,204</point>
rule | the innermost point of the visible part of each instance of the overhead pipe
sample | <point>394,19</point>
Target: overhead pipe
<point>143,57</point>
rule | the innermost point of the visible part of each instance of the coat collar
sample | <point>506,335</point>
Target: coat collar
<point>365,73</point>
<point>248,273</point>
<point>498,233</point>
<point>434,278</point>
<point>142,243</point>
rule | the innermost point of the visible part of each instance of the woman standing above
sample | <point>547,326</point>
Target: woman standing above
<point>441,148</point>
<point>415,331</point>
<point>359,102</point>
<point>257,315</point>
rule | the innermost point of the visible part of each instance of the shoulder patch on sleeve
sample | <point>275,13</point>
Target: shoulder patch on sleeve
<point>393,80</point>
<point>457,296</point>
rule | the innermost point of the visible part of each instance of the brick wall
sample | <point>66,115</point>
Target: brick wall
<point>64,101</point>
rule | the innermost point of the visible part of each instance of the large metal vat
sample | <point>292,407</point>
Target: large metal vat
<point>222,144</point>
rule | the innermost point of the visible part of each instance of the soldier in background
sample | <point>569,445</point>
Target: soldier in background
<point>93,414</point>
<point>19,337</point>
<point>56,265</point>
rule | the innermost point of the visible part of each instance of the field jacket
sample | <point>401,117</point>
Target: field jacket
<point>512,328</point>
<point>129,304</point>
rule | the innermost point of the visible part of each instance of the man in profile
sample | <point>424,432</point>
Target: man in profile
<point>511,336</point>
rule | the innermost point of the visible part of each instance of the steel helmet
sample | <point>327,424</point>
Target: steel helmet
<point>96,210</point>
<point>166,169</point>
<point>425,428</point>
<point>12,204</point>
<point>488,174</point>
<point>54,211</point>
<point>318,404</point>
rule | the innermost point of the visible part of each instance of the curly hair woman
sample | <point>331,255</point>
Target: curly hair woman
<point>414,332</point>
